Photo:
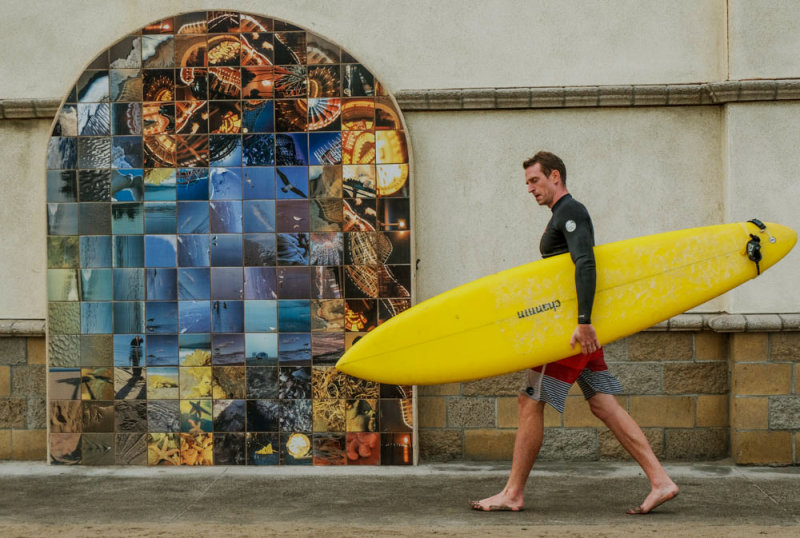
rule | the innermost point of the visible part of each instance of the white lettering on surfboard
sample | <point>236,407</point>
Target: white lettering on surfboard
<point>544,307</point>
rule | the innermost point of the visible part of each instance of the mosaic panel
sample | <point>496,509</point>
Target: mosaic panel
<point>227,212</point>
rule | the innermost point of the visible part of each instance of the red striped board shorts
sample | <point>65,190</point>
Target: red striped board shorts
<point>551,382</point>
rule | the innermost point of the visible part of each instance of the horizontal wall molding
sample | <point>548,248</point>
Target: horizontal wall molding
<point>720,323</point>
<point>703,94</point>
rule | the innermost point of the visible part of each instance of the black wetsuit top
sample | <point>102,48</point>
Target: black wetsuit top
<point>570,230</point>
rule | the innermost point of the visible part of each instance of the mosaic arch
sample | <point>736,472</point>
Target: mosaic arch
<point>228,210</point>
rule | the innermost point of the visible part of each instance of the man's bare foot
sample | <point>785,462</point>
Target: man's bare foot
<point>497,503</point>
<point>657,497</point>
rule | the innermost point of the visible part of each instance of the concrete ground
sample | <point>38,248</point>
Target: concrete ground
<point>563,499</point>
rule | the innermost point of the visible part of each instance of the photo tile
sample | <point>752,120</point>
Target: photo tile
<point>227,316</point>
<point>65,448</point>
<point>191,83</point>
<point>278,265</point>
<point>229,449</point>
<point>363,448</point>
<point>293,249</point>
<point>193,250</point>
<point>191,118</point>
<point>326,348</point>
<point>98,416</point>
<point>228,349</point>
<point>261,349</point>
<point>62,186</point>
<point>192,218</point>
<point>259,216</point>
<point>294,316</point>
<point>295,384</point>
<point>294,349</point>
<point>160,218</point>
<point>296,416</point>
<point>66,123</point>
<point>258,116</point>
<point>194,349</point>
<point>320,51</point>
<point>94,152</point>
<point>129,384</point>
<point>260,282</point>
<point>296,449</point>
<point>362,415</point>
<point>131,449</point>
<point>258,82</point>
<point>159,151</point>
<point>97,350</point>
<point>291,149</point>
<point>257,45</point>
<point>258,150</point>
<point>129,284</point>
<point>63,252</point>
<point>262,383</point>
<point>358,114</point>
<point>62,153</point>
<point>225,151</point>
<point>262,415</point>
<point>228,382</point>
<point>329,415</point>
<point>158,84</point>
<point>163,449</point>
<point>292,183</point>
<point>260,316</point>
<point>224,83</point>
<point>130,416</point>
<point>263,448</point>
<point>396,449</point>
<point>158,118</point>
<point>161,350</point>
<point>162,383</point>
<point>291,81</point>
<point>196,415</point>
<point>126,86</point>
<point>126,119</point>
<point>328,315</point>
<point>63,318</point>
<point>158,51</point>
<point>358,181</point>
<point>330,449</point>
<point>163,415</point>
<point>66,416</point>
<point>194,284</point>
<point>290,48</point>
<point>325,148</point>
<point>191,51</point>
<point>93,86</point>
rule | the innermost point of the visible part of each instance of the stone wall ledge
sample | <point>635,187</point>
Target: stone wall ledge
<point>22,327</point>
<point>713,322</point>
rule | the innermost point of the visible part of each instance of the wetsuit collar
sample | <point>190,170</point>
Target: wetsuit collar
<point>559,202</point>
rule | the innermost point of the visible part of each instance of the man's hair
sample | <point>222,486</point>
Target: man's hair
<point>548,162</point>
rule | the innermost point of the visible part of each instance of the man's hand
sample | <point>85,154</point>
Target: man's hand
<point>585,336</point>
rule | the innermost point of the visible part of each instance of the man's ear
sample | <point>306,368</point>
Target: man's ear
<point>555,176</point>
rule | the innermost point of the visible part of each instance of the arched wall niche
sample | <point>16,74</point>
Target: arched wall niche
<point>228,204</point>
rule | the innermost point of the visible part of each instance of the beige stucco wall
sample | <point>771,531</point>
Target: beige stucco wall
<point>764,41</point>
<point>633,168</point>
<point>408,43</point>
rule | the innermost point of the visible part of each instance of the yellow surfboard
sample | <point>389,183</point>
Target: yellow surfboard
<point>525,316</point>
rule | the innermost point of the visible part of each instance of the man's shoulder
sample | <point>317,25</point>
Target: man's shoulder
<point>572,208</point>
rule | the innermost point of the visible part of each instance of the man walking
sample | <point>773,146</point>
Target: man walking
<point>570,230</point>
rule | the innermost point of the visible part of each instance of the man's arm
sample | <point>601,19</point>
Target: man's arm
<point>577,231</point>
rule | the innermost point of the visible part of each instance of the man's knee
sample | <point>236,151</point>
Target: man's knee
<point>528,407</point>
<point>603,405</point>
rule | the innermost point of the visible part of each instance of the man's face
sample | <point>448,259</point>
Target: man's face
<point>542,187</point>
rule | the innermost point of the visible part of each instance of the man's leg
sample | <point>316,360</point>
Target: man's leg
<point>526,448</point>
<point>627,431</point>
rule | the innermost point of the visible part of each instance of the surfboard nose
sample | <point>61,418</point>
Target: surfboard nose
<point>773,251</point>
